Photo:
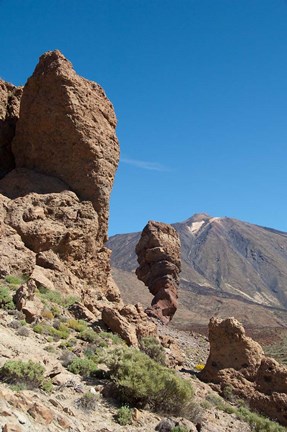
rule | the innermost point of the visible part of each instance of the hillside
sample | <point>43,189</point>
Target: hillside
<point>229,267</point>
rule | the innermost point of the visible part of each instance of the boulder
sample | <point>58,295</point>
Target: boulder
<point>158,252</point>
<point>238,362</point>
<point>130,322</point>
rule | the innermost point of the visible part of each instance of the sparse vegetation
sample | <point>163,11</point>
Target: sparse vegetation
<point>124,415</point>
<point>24,374</point>
<point>179,429</point>
<point>62,332</point>
<point>152,347</point>
<point>15,281</point>
<point>257,422</point>
<point>6,301</point>
<point>47,296</point>
<point>77,325</point>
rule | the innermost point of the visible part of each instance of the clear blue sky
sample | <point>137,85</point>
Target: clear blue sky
<point>200,92</point>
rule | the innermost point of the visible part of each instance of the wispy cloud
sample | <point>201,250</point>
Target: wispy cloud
<point>151,166</point>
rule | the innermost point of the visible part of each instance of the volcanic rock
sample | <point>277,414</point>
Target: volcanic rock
<point>54,206</point>
<point>158,252</point>
<point>130,322</point>
<point>9,114</point>
<point>67,130</point>
<point>237,362</point>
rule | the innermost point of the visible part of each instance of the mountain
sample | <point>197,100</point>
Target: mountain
<point>229,267</point>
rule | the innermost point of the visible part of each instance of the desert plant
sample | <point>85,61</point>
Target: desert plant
<point>140,381</point>
<point>15,280</point>
<point>28,374</point>
<point>124,415</point>
<point>62,332</point>
<point>82,366</point>
<point>23,331</point>
<point>152,347</point>
<point>47,295</point>
<point>88,335</point>
<point>179,429</point>
<point>88,401</point>
<point>77,325</point>
<point>6,301</point>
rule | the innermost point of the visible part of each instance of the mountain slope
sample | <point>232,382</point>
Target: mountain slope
<point>229,267</point>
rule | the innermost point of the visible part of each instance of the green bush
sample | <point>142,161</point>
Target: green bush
<point>140,381</point>
<point>62,332</point>
<point>6,301</point>
<point>151,346</point>
<point>15,280</point>
<point>82,366</point>
<point>124,416</point>
<point>47,295</point>
<point>77,325</point>
<point>179,429</point>
<point>27,374</point>
<point>88,335</point>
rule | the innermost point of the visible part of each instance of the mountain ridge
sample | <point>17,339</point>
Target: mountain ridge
<point>222,258</point>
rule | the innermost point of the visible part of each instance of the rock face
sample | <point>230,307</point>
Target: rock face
<point>54,205</point>
<point>67,130</point>
<point>158,252</point>
<point>238,362</point>
<point>9,114</point>
<point>130,322</point>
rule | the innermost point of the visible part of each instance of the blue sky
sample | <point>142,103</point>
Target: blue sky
<point>200,92</point>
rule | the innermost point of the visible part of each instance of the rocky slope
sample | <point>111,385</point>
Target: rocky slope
<point>229,267</point>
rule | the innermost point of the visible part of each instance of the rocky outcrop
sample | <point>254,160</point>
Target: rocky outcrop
<point>158,252</point>
<point>67,130</point>
<point>9,114</point>
<point>54,206</point>
<point>239,363</point>
<point>130,322</point>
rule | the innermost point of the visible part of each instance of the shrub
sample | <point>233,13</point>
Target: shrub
<point>6,301</point>
<point>257,422</point>
<point>82,366</point>
<point>15,280</point>
<point>140,381</point>
<point>62,332</point>
<point>47,314</point>
<point>151,346</point>
<point>88,401</point>
<point>124,415</point>
<point>77,325</point>
<point>88,335</point>
<point>56,297</point>
<point>23,331</point>
<point>28,374</point>
<point>179,429</point>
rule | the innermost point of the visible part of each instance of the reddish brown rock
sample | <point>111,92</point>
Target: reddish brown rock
<point>238,362</point>
<point>9,113</point>
<point>130,322</point>
<point>67,130</point>
<point>158,252</point>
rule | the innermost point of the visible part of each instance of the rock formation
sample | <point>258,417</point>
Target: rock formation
<point>238,362</point>
<point>158,252</point>
<point>9,114</point>
<point>54,205</point>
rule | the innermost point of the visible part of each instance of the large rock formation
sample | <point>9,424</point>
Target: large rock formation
<point>158,252</point>
<point>9,114</point>
<point>54,206</point>
<point>238,362</point>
